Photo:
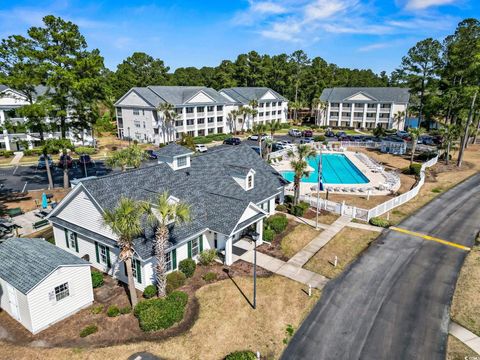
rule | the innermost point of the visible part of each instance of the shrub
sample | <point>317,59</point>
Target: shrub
<point>89,330</point>
<point>378,221</point>
<point>299,210</point>
<point>113,311</point>
<point>281,207</point>
<point>97,279</point>
<point>149,291</point>
<point>415,169</point>
<point>187,266</point>
<point>210,276</point>
<point>427,155</point>
<point>288,199</point>
<point>85,150</point>
<point>268,234</point>
<point>207,257</point>
<point>7,153</point>
<point>32,152</point>
<point>277,223</point>
<point>125,310</point>
<point>157,314</point>
<point>241,355</point>
<point>174,280</point>
<point>437,190</point>
<point>319,138</point>
<point>97,309</point>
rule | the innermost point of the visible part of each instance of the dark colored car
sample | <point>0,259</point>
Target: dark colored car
<point>256,149</point>
<point>329,133</point>
<point>232,141</point>
<point>151,155</point>
<point>307,133</point>
<point>65,160</point>
<point>85,160</point>
<point>341,134</point>
<point>42,163</point>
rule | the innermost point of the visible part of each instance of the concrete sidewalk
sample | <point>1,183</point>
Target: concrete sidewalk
<point>465,336</point>
<point>365,227</point>
<point>16,159</point>
<point>301,258</point>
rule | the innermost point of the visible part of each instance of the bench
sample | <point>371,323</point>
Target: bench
<point>14,212</point>
<point>41,223</point>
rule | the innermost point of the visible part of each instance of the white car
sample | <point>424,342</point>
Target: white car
<point>294,132</point>
<point>287,145</point>
<point>201,148</point>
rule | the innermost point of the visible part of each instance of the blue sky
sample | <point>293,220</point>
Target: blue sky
<point>352,33</point>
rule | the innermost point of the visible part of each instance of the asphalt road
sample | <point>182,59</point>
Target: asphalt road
<point>393,302</point>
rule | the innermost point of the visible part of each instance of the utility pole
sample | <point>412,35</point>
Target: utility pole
<point>319,188</point>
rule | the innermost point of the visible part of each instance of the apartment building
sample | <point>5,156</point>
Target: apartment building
<point>270,105</point>
<point>365,107</point>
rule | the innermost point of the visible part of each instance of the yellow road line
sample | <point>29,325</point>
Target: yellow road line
<point>432,238</point>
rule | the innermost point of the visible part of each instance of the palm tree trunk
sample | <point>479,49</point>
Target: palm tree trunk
<point>161,238</point>
<point>296,190</point>
<point>467,126</point>
<point>447,158</point>
<point>131,283</point>
<point>49,173</point>
<point>65,171</point>
<point>414,145</point>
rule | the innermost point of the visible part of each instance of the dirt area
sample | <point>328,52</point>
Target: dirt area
<point>324,217</point>
<point>33,199</point>
<point>347,245</point>
<point>286,244</point>
<point>456,350</point>
<point>226,322</point>
<point>440,178</point>
<point>107,143</point>
<point>465,308</point>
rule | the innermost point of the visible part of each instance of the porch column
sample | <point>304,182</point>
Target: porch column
<point>228,251</point>
<point>6,139</point>
<point>259,230</point>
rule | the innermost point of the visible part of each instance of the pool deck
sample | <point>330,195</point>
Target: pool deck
<point>375,178</point>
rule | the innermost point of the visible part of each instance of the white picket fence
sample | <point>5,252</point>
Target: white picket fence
<point>365,214</point>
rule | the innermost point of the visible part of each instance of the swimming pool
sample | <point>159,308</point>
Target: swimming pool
<point>336,169</point>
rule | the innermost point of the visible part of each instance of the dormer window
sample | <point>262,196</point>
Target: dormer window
<point>181,161</point>
<point>250,181</point>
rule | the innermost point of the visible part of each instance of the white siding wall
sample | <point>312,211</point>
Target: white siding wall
<point>22,304</point>
<point>82,212</point>
<point>45,310</point>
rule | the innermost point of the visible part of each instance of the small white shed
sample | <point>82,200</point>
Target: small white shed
<point>40,283</point>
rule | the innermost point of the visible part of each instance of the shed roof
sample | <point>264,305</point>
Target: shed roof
<point>25,262</point>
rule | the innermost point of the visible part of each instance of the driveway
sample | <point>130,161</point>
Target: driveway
<point>393,302</point>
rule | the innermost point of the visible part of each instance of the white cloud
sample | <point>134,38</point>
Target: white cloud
<point>287,31</point>
<point>324,9</point>
<point>267,7</point>
<point>376,46</point>
<point>423,4</point>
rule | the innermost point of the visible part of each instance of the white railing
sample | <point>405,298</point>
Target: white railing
<point>365,214</point>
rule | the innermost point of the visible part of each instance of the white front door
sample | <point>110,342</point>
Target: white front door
<point>12,300</point>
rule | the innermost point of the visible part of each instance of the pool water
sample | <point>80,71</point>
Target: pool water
<point>336,169</point>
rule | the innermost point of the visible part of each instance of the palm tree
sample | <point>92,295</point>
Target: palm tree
<point>415,133</point>
<point>295,106</point>
<point>450,134</point>
<point>126,222</point>
<point>259,129</point>
<point>169,116</point>
<point>232,119</point>
<point>165,213</point>
<point>274,126</point>
<point>398,117</point>
<point>299,164</point>
<point>47,149</point>
<point>130,156</point>
<point>253,110</point>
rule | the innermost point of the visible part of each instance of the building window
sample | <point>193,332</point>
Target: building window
<point>190,122</point>
<point>103,254</point>
<point>210,131</point>
<point>219,118</point>
<point>119,112</point>
<point>220,130</point>
<point>249,182</point>
<point>215,240</point>
<point>168,261</point>
<point>267,113</point>
<point>135,268</point>
<point>260,114</point>
<point>371,106</point>
<point>200,109</point>
<point>61,292</point>
<point>182,161</point>
<point>155,131</point>
<point>261,105</point>
<point>178,111</point>
<point>137,123</point>
<point>210,108</point>
<point>201,121</point>
<point>71,239</point>
<point>190,110</point>
<point>211,120</point>
<point>334,105</point>
<point>136,112</point>
<point>191,133</point>
<point>195,247</point>
<point>179,123</point>
<point>385,106</point>
<point>144,126</point>
<point>219,107</point>
<point>201,132</point>
<point>345,113</point>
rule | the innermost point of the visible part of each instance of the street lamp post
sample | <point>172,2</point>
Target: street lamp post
<point>319,187</point>
<point>254,235</point>
<point>129,136</point>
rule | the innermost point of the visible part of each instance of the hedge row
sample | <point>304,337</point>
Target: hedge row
<point>210,138</point>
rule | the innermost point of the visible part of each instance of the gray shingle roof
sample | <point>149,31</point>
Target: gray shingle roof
<point>245,94</point>
<point>217,201</point>
<point>25,262</point>
<point>177,95</point>
<point>172,150</point>
<point>385,94</point>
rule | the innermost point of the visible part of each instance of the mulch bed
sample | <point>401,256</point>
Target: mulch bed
<point>274,248</point>
<point>122,329</point>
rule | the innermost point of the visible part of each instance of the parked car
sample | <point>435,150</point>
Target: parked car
<point>277,147</point>
<point>329,133</point>
<point>307,133</point>
<point>340,134</point>
<point>256,148</point>
<point>306,140</point>
<point>232,141</point>
<point>201,148</point>
<point>85,160</point>
<point>150,154</point>
<point>41,162</point>
<point>427,140</point>
<point>65,160</point>
<point>287,145</point>
<point>294,132</point>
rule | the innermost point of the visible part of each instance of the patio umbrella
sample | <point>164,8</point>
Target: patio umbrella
<point>44,201</point>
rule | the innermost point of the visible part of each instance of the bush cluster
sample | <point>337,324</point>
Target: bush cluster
<point>187,266</point>
<point>175,280</point>
<point>299,210</point>
<point>427,155</point>
<point>319,138</point>
<point>281,207</point>
<point>113,311</point>
<point>268,234</point>
<point>210,276</point>
<point>97,309</point>
<point>241,355</point>
<point>158,314</point>
<point>6,153</point>
<point>277,223</point>
<point>97,279</point>
<point>125,310</point>
<point>32,152</point>
<point>207,257</point>
<point>149,291</point>
<point>89,330</point>
<point>89,150</point>
<point>415,169</point>
<point>378,221</point>
<point>210,138</point>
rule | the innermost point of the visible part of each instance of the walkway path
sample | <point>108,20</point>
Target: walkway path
<point>16,159</point>
<point>365,227</point>
<point>301,258</point>
<point>465,336</point>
